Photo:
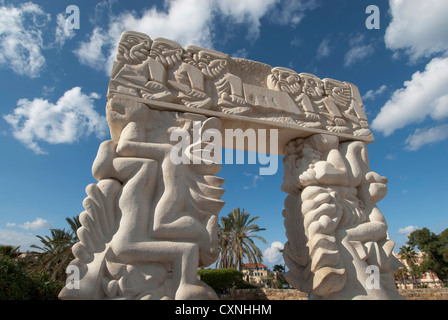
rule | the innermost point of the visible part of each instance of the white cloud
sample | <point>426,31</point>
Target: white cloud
<point>391,156</point>
<point>418,27</point>
<point>17,238</point>
<point>407,230</point>
<point>272,255</point>
<point>372,94</point>
<point>358,50</point>
<point>90,53</point>
<point>240,53</point>
<point>324,49</point>
<point>63,31</point>
<point>72,117</point>
<point>246,11</point>
<point>423,137</point>
<point>291,12</point>
<point>422,96</point>
<point>21,38</point>
<point>255,179</point>
<point>37,224</point>
<point>176,23</point>
<point>296,41</point>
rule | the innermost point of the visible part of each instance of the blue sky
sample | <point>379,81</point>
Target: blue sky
<point>54,81</point>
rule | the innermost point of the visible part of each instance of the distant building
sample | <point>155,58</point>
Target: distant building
<point>255,273</point>
<point>426,280</point>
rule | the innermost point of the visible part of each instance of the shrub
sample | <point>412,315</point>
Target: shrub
<point>16,283</point>
<point>221,280</point>
<point>241,284</point>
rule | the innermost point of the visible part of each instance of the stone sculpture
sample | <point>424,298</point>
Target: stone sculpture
<point>150,222</point>
<point>335,230</point>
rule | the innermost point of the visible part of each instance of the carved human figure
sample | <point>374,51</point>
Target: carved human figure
<point>313,87</point>
<point>337,195</point>
<point>348,100</point>
<point>214,67</point>
<point>138,156</point>
<point>142,64</point>
<point>287,80</point>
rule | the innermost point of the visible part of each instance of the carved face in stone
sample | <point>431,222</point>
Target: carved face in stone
<point>133,47</point>
<point>312,86</point>
<point>167,52</point>
<point>212,63</point>
<point>339,91</point>
<point>284,79</point>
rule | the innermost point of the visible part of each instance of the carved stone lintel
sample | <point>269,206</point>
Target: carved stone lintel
<point>202,80</point>
<point>335,230</point>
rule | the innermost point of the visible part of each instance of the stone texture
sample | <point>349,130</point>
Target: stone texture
<point>242,93</point>
<point>335,230</point>
<point>149,224</point>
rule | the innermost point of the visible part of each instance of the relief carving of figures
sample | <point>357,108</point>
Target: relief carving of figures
<point>347,99</point>
<point>141,66</point>
<point>214,66</point>
<point>334,227</point>
<point>162,218</point>
<point>199,78</point>
<point>287,80</point>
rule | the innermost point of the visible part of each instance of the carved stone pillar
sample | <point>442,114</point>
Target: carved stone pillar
<point>337,246</point>
<point>149,223</point>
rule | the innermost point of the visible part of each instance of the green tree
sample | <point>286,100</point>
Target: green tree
<point>278,268</point>
<point>236,235</point>
<point>435,248</point>
<point>56,250</point>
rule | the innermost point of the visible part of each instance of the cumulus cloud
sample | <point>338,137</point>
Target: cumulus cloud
<point>418,27</point>
<point>90,52</point>
<point>37,224</point>
<point>272,255</point>
<point>21,38</point>
<point>407,230</point>
<point>246,11</point>
<point>175,22</point>
<point>73,116</point>
<point>422,96</point>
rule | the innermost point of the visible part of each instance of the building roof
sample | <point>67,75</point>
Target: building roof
<point>253,265</point>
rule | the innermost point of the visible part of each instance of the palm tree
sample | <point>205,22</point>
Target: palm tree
<point>10,251</point>
<point>236,236</point>
<point>224,230</point>
<point>408,254</point>
<point>57,250</point>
